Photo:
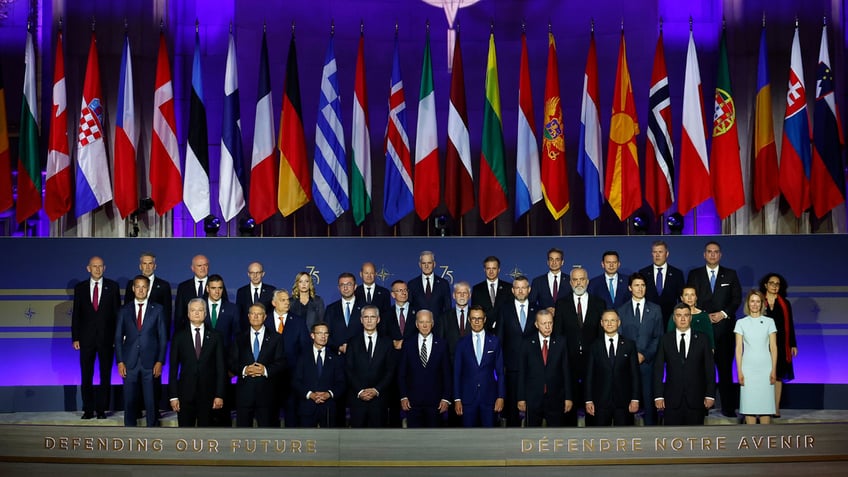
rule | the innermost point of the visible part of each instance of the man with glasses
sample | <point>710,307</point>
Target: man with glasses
<point>256,291</point>
<point>546,289</point>
<point>370,369</point>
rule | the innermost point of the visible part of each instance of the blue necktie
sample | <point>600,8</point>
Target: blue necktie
<point>256,346</point>
<point>659,281</point>
<point>319,363</point>
<point>347,313</point>
<point>712,280</point>
<point>522,318</point>
<point>612,289</point>
<point>479,351</point>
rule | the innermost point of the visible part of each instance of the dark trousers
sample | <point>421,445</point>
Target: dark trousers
<point>646,371</point>
<point>139,379</point>
<point>324,415</point>
<point>262,414</point>
<point>510,412</point>
<point>684,415</point>
<point>423,416</point>
<point>612,416</point>
<point>194,414</point>
<point>367,413</point>
<point>105,356</point>
<point>725,351</point>
<point>478,415</point>
<point>550,409</point>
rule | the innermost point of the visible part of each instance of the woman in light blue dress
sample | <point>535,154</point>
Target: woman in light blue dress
<point>756,361</point>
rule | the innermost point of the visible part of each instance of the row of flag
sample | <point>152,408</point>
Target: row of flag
<point>809,173</point>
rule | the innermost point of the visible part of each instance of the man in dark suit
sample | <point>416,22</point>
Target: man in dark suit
<point>664,282</point>
<point>478,374</point>
<point>544,384</point>
<point>318,378</point>
<point>454,324</point>
<point>194,287</point>
<point>492,292</point>
<point>515,324</point>
<point>223,317</point>
<point>93,320</point>
<point>429,291</point>
<point>256,291</point>
<point>642,322</point>
<point>424,375</point>
<point>578,319</point>
<point>689,371</point>
<point>613,387</point>
<point>720,294</point>
<point>296,342</point>
<point>257,359</point>
<point>343,315</point>
<point>140,345</point>
<point>369,293</point>
<point>197,375</point>
<point>542,287</point>
<point>610,286</point>
<point>370,369</point>
<point>398,324</point>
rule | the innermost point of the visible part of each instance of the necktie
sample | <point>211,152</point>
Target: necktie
<point>197,342</point>
<point>401,320</point>
<point>659,281</point>
<point>492,293</point>
<point>424,353</point>
<point>256,295</point>
<point>370,347</point>
<point>638,313</point>
<point>214,315</point>
<point>545,351</point>
<point>282,325</point>
<point>522,318</point>
<point>255,346</point>
<point>319,363</point>
<point>138,316</point>
<point>462,325</point>
<point>347,313</point>
<point>712,280</point>
<point>427,290</point>
<point>611,350</point>
<point>200,288</point>
<point>612,289</point>
<point>555,289</point>
<point>95,296</point>
<point>479,351</point>
<point>580,310</point>
<point>682,345</point>
<point>368,295</point>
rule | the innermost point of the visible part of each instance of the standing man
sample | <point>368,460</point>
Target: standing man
<point>492,292</point>
<point>256,291</point>
<point>369,293</point>
<point>399,322</point>
<point>194,287</point>
<point>370,369</point>
<point>429,291</point>
<point>610,286</point>
<point>612,376</point>
<point>478,376</point>
<point>197,374</point>
<point>140,345</point>
<point>424,376</point>
<point>665,282</point>
<point>546,289</point>
<point>318,378</point>
<point>686,361</point>
<point>642,322</point>
<point>343,315</point>
<point>454,324</point>
<point>222,315</point>
<point>296,342</point>
<point>93,320</point>
<point>720,294</point>
<point>515,325</point>
<point>544,384</point>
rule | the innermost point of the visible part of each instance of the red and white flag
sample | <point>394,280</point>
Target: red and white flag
<point>166,182</point>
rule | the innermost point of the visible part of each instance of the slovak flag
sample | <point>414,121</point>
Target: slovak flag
<point>796,155</point>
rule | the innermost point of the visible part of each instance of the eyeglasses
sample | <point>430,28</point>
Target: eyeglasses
<point>777,284</point>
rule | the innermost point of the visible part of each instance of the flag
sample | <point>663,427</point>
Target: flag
<point>493,200</point>
<point>397,189</point>
<point>166,184</point>
<point>263,166</point>
<point>126,134</point>
<point>766,177</point>
<point>6,200</point>
<point>29,162</point>
<point>795,155</point>
<point>360,174</point>
<point>590,165</point>
<point>827,179</point>
<point>659,150</point>
<point>329,169</point>
<point>294,191</point>
<point>93,185</point>
<point>725,164</point>
<point>623,188</point>
<point>528,188</point>
<point>693,185</point>
<point>231,192</point>
<point>427,183</point>
<point>196,180</point>
<point>459,182</point>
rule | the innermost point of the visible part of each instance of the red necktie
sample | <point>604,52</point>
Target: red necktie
<point>545,352</point>
<point>138,316</point>
<point>95,296</point>
<point>580,311</point>
<point>401,321</point>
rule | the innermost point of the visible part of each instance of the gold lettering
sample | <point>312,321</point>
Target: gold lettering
<point>89,444</point>
<point>772,442</point>
<point>526,446</point>
<point>158,445</point>
<point>544,444</point>
<point>677,443</point>
<point>264,443</point>
<point>809,441</point>
<point>743,443</point>
<point>721,443</point>
<point>63,443</point>
<point>558,444</point>
<point>49,443</point>
<point>141,445</point>
<point>588,445</point>
<point>235,445</point>
<point>295,446</point>
<point>212,445</point>
<point>248,447</point>
<point>102,444</point>
<point>572,445</point>
<point>636,444</point>
<point>660,444</point>
<point>620,445</point>
<point>311,446</point>
<point>605,445</point>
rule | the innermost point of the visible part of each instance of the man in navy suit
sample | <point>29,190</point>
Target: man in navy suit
<point>689,371</point>
<point>256,291</point>
<point>197,374</point>
<point>454,324</point>
<point>542,288</point>
<point>642,322</point>
<point>95,313</point>
<point>140,345</point>
<point>515,324</point>
<point>492,292</point>
<point>613,386</point>
<point>370,369</point>
<point>664,282</point>
<point>343,315</point>
<point>720,294</point>
<point>318,379</point>
<point>544,384</point>
<point>478,374</point>
<point>296,342</point>
<point>222,315</point>
<point>424,376</point>
<point>194,287</point>
<point>369,293</point>
<point>429,291</point>
<point>398,324</point>
<point>610,286</point>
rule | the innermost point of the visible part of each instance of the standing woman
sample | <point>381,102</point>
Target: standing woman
<point>778,308</point>
<point>305,303</point>
<point>756,360</point>
<point>700,319</point>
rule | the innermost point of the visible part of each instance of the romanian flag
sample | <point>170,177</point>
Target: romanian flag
<point>766,179</point>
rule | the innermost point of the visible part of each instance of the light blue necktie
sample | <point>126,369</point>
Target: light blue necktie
<point>256,346</point>
<point>479,351</point>
<point>522,318</point>
<point>347,313</point>
<point>612,289</point>
<point>712,280</point>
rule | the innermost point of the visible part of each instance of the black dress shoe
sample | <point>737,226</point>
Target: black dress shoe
<point>728,413</point>
<point>101,415</point>
<point>87,415</point>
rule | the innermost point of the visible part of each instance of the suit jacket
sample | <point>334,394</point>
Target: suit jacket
<point>186,290</point>
<point>447,327</point>
<point>160,292</point>
<point>541,293</point>
<point>613,384</point>
<point>363,371</point>
<point>691,379</point>
<point>673,281</point>
<point>390,327</point>
<point>197,379</point>
<point>534,376</point>
<point>480,296</point>
<point>646,334</point>
<point>380,297</point>
<point>481,384</point>
<point>144,347</point>
<point>599,286</point>
<point>257,391</point>
<point>340,333</point>
<point>296,340</point>
<point>440,298</point>
<point>95,328</point>
<point>425,387</point>
<point>511,335</point>
<point>727,295</point>
<point>244,298</point>
<point>579,336</point>
<point>228,322</point>
<point>306,379</point>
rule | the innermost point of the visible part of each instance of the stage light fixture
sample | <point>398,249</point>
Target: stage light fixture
<point>211,225</point>
<point>640,224</point>
<point>675,223</point>
<point>247,227</point>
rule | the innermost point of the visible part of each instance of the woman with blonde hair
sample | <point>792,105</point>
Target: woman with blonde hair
<point>305,303</point>
<point>756,361</point>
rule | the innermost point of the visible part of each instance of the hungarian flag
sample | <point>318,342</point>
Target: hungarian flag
<point>693,185</point>
<point>623,187</point>
<point>827,182</point>
<point>427,183</point>
<point>659,150</point>
<point>294,190</point>
<point>590,164</point>
<point>166,182</point>
<point>360,174</point>
<point>493,192</point>
<point>766,176</point>
<point>263,164</point>
<point>459,182</point>
<point>795,155</point>
<point>196,195</point>
<point>6,200</point>
<point>528,181</point>
<point>725,164</point>
<point>231,191</point>
<point>126,134</point>
<point>397,188</point>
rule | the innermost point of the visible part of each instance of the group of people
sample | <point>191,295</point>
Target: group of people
<point>530,352</point>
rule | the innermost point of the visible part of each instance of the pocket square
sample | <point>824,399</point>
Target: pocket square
<point>725,285</point>
<point>490,351</point>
